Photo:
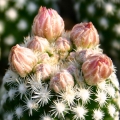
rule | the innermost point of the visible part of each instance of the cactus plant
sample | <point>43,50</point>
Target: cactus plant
<point>57,74</point>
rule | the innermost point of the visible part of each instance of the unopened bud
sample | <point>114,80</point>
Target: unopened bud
<point>61,81</point>
<point>81,56</point>
<point>43,58</point>
<point>71,56</point>
<point>43,71</point>
<point>84,35</point>
<point>72,69</point>
<point>48,24</point>
<point>62,44</point>
<point>38,44</point>
<point>22,60</point>
<point>97,68</point>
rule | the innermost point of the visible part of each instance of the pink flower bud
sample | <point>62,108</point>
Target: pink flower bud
<point>62,44</point>
<point>48,24</point>
<point>38,44</point>
<point>43,58</point>
<point>22,60</point>
<point>97,68</point>
<point>84,35</point>
<point>81,56</point>
<point>61,81</point>
<point>43,71</point>
<point>71,56</point>
<point>72,69</point>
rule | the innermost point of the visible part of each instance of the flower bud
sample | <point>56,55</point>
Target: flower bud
<point>43,58</point>
<point>22,60</point>
<point>43,71</point>
<point>61,81</point>
<point>84,35</point>
<point>97,68</point>
<point>81,56</point>
<point>72,69</point>
<point>62,44</point>
<point>48,24</point>
<point>71,56</point>
<point>38,44</point>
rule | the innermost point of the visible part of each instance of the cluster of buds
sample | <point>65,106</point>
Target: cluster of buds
<point>61,73</point>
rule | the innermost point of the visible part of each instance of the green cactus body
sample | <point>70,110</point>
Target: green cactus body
<point>61,91</point>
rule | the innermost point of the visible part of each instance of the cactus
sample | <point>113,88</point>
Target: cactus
<point>57,74</point>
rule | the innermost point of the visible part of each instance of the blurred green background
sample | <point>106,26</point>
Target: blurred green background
<point>16,17</point>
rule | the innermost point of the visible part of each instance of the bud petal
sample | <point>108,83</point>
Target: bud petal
<point>97,68</point>
<point>62,44</point>
<point>72,69</point>
<point>38,44</point>
<point>43,71</point>
<point>43,58</point>
<point>71,56</point>
<point>81,56</point>
<point>22,60</point>
<point>48,24</point>
<point>61,81</point>
<point>84,35</point>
